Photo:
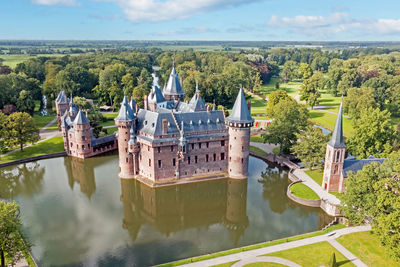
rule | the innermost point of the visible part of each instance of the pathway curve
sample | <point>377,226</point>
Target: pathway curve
<point>347,253</point>
<point>48,125</point>
<point>252,254</point>
<point>266,259</point>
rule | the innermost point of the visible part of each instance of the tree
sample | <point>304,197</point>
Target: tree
<point>11,239</point>
<point>358,99</point>
<point>372,194</point>
<point>3,123</point>
<point>350,78</point>
<point>333,262</point>
<point>82,103</point>
<point>127,84</point>
<point>289,118</point>
<point>273,99</point>
<point>373,134</point>
<point>138,94</point>
<point>289,71</point>
<point>394,99</point>
<point>75,80</point>
<point>380,85</point>
<point>311,146</point>
<point>304,71</point>
<point>25,102</point>
<point>309,90</point>
<point>21,129</point>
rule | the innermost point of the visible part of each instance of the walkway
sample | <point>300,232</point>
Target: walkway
<point>252,255</point>
<point>266,147</point>
<point>266,259</point>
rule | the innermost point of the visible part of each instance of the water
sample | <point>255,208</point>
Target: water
<point>323,129</point>
<point>79,213</point>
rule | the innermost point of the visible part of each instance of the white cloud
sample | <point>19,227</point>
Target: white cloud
<point>187,31</point>
<point>56,2</point>
<point>158,10</point>
<point>335,23</point>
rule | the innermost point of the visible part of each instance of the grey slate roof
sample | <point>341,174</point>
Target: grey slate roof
<point>81,118</point>
<point>173,86</point>
<point>197,103</point>
<point>133,104</point>
<point>157,95</point>
<point>337,135</point>
<point>125,112</point>
<point>240,112</point>
<point>151,122</point>
<point>357,164</point>
<point>62,98</point>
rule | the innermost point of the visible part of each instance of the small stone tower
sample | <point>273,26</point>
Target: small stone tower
<point>335,153</point>
<point>173,90</point>
<point>62,105</point>
<point>134,148</point>
<point>124,121</point>
<point>83,135</point>
<point>239,124</point>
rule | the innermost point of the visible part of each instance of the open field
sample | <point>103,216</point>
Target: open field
<point>13,60</point>
<point>316,175</point>
<point>318,254</point>
<point>52,145</point>
<point>368,248</point>
<point>42,121</point>
<point>292,88</point>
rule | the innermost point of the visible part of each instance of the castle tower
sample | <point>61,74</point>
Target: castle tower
<point>236,219</point>
<point>335,153</point>
<point>73,110</point>
<point>173,90</point>
<point>124,121</point>
<point>239,124</point>
<point>61,106</point>
<point>83,135</point>
<point>64,129</point>
<point>134,148</point>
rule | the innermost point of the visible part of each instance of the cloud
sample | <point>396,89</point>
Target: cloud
<point>335,23</point>
<point>158,10</point>
<point>56,2</point>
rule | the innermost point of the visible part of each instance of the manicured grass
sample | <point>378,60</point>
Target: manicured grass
<point>292,88</point>
<point>264,264</point>
<point>251,247</point>
<point>316,175</point>
<point>111,130</point>
<point>257,138</point>
<point>42,121</point>
<point>52,145</point>
<point>110,115</point>
<point>275,150</point>
<point>368,248</point>
<point>107,123</point>
<point>303,191</point>
<point>328,120</point>
<point>318,254</point>
<point>257,150</point>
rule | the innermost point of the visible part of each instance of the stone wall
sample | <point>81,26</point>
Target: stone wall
<point>303,201</point>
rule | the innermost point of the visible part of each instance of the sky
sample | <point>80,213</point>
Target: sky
<point>241,20</point>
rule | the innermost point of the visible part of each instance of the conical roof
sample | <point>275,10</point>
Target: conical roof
<point>125,113</point>
<point>337,135</point>
<point>197,103</point>
<point>81,118</point>
<point>157,95</point>
<point>240,112</point>
<point>133,104</point>
<point>62,98</point>
<point>173,86</point>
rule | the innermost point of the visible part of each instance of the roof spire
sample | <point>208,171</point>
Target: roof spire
<point>337,135</point>
<point>240,112</point>
<point>214,105</point>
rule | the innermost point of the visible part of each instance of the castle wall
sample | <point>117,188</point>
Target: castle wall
<point>239,149</point>
<point>333,180</point>
<point>60,109</point>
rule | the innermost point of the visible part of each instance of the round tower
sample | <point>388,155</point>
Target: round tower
<point>239,123</point>
<point>124,121</point>
<point>83,135</point>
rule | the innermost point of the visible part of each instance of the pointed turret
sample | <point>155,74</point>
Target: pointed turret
<point>133,104</point>
<point>337,135</point>
<point>197,103</point>
<point>62,98</point>
<point>240,112</point>
<point>125,113</point>
<point>173,90</point>
<point>73,109</point>
<point>81,118</point>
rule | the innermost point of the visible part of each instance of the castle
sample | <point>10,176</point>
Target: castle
<point>77,134</point>
<point>336,166</point>
<point>168,139</point>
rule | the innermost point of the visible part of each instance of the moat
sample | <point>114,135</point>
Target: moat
<point>79,213</point>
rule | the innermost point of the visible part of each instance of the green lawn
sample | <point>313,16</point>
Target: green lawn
<point>316,175</point>
<point>303,191</point>
<point>257,150</point>
<point>111,130</point>
<point>110,115</point>
<point>52,145</point>
<point>292,88</point>
<point>107,123</point>
<point>264,264</point>
<point>13,60</point>
<point>257,138</point>
<point>251,247</point>
<point>42,121</point>
<point>318,254</point>
<point>367,247</point>
<point>328,120</point>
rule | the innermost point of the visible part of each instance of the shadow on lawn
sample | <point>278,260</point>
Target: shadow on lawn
<point>340,263</point>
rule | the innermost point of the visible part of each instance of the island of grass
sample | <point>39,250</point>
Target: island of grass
<point>316,175</point>
<point>302,191</point>
<point>257,150</point>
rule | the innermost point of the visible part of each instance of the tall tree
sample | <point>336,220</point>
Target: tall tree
<point>309,90</point>
<point>358,99</point>
<point>289,71</point>
<point>310,146</point>
<point>289,118</point>
<point>25,102</point>
<point>304,71</point>
<point>21,129</point>
<point>11,239</point>
<point>373,134</point>
<point>3,123</point>
<point>273,99</point>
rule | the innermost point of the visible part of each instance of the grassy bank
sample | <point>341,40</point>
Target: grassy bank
<point>303,191</point>
<point>251,247</point>
<point>316,175</point>
<point>257,150</point>
<point>50,146</point>
<point>42,121</point>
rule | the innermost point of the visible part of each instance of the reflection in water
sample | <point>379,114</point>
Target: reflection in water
<point>22,180</point>
<point>174,208</point>
<point>79,213</point>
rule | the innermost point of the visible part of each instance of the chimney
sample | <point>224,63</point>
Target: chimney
<point>208,108</point>
<point>146,103</point>
<point>164,126</point>
<point>249,105</point>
